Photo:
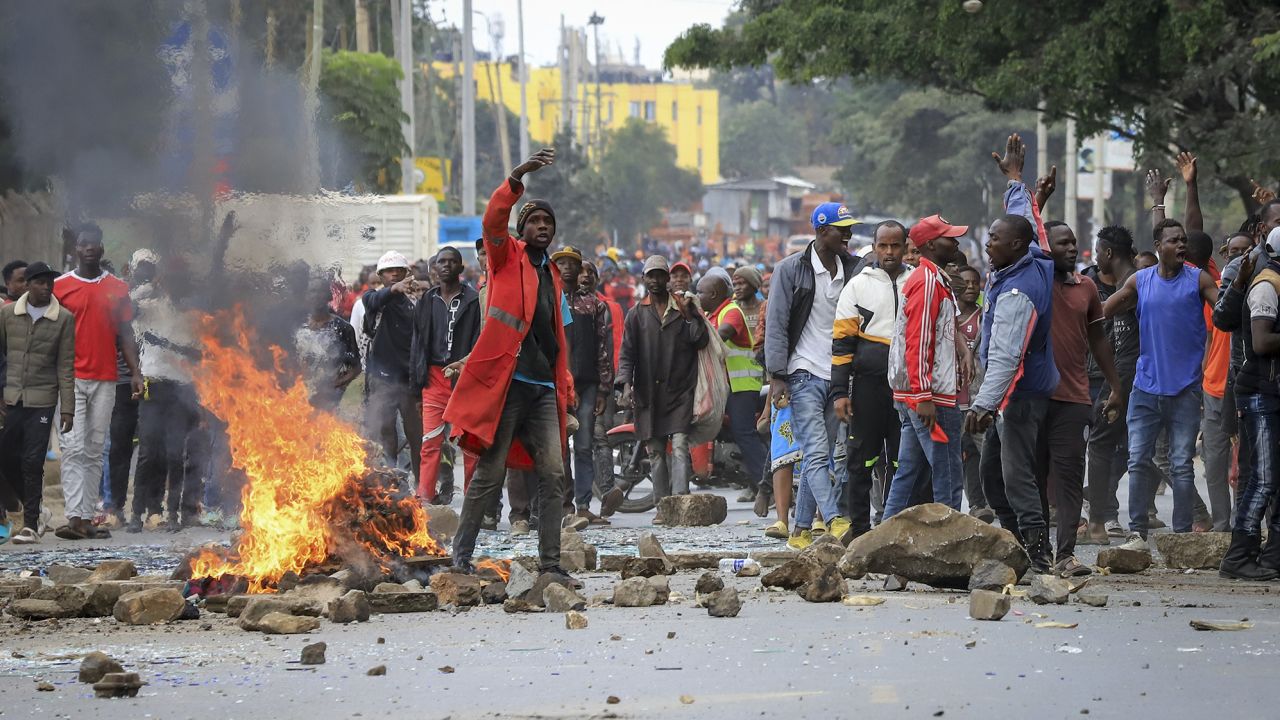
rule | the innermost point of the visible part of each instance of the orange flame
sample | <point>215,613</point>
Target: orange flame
<point>502,567</point>
<point>304,469</point>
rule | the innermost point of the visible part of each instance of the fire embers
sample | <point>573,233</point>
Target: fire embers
<point>310,497</point>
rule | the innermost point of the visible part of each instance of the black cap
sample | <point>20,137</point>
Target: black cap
<point>36,269</point>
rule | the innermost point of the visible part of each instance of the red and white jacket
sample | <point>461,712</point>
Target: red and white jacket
<point>922,354</point>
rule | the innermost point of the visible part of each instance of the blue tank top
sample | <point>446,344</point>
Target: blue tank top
<point>1171,331</point>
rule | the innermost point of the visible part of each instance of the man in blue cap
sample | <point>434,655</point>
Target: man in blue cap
<point>801,314</point>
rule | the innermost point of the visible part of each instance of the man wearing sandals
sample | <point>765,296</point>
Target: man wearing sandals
<point>37,338</point>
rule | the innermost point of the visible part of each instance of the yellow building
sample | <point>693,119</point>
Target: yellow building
<point>690,115</point>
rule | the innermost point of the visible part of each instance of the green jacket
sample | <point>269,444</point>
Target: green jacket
<point>40,356</point>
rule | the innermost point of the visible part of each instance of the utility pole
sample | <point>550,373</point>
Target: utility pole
<point>524,98</point>
<point>468,114</point>
<point>566,101</point>
<point>311,182</point>
<point>596,21</point>
<point>1072,165</point>
<point>1099,182</point>
<point>362,26</point>
<point>1042,144</point>
<point>402,28</point>
<point>496,31</point>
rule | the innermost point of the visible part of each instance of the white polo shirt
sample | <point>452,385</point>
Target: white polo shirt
<point>813,350</point>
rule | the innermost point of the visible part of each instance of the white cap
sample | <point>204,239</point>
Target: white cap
<point>392,259</point>
<point>143,255</point>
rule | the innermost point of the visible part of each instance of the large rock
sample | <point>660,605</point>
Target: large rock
<point>827,586</point>
<point>494,593</point>
<point>988,605</point>
<point>534,595</point>
<point>259,606</point>
<point>12,588</point>
<point>574,620</point>
<point>276,623</point>
<point>1197,551</point>
<point>649,547</point>
<point>647,567</point>
<point>708,583</point>
<point>352,607</point>
<point>290,603</point>
<point>724,603</point>
<point>932,544</point>
<point>404,602</point>
<point>150,607</point>
<point>442,522</point>
<point>825,550</point>
<point>313,654</point>
<point>521,581</point>
<point>456,589</point>
<point>1131,557</point>
<point>558,598</point>
<point>662,587</point>
<point>31,609</point>
<point>791,574</point>
<point>992,575</point>
<point>318,589</point>
<point>97,664</point>
<point>699,509</point>
<point>67,574</point>
<point>635,592</point>
<point>1048,590</point>
<point>113,570</point>
<point>73,598</point>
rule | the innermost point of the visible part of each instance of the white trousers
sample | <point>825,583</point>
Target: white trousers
<point>82,447</point>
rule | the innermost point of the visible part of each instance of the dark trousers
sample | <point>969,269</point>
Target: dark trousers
<point>521,486</point>
<point>11,482</point>
<point>874,433</point>
<point>124,426</point>
<point>1260,423</point>
<point>600,450</point>
<point>1108,461</point>
<point>530,416</point>
<point>386,400</point>
<point>173,450</point>
<point>581,475</point>
<point>26,432</point>
<point>742,408</point>
<point>1009,465</point>
<point>971,457</point>
<point>1060,468</point>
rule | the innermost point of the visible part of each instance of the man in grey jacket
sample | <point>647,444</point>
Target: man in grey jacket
<point>37,338</point>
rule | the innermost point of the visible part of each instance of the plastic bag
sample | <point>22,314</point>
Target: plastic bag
<point>712,392</point>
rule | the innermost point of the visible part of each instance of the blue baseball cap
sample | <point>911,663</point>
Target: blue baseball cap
<point>833,214</point>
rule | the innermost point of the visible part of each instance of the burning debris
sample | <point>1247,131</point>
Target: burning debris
<point>310,500</point>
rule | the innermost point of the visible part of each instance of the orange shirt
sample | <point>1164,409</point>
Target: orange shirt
<point>1219,359</point>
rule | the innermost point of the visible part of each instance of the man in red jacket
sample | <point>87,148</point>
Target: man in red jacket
<point>519,366</point>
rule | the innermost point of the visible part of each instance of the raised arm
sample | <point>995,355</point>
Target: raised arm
<point>497,214</point>
<point>1187,166</point>
<point>1123,300</point>
<point>1017,199</point>
<point>1157,188</point>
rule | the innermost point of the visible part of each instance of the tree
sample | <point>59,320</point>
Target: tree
<point>363,103</point>
<point>641,177</point>
<point>1171,74</point>
<point>759,138</point>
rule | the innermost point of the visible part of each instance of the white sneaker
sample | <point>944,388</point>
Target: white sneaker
<point>520,527</point>
<point>26,536</point>
<point>1114,529</point>
<point>46,520</point>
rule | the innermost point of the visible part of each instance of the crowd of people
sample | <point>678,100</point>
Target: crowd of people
<point>1019,389</point>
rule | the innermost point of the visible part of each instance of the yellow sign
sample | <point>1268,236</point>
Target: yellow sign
<point>429,176</point>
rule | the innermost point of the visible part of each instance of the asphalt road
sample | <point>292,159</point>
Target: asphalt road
<point>781,657</point>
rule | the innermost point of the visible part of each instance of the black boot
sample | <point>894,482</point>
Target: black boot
<point>1240,562</point>
<point>1037,544</point>
<point>1269,558</point>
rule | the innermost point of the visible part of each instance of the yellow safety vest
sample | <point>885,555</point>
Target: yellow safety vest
<point>745,374</point>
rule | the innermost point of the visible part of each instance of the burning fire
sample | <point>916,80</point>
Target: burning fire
<point>501,567</point>
<point>306,497</point>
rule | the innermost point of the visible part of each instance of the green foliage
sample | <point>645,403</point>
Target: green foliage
<point>1171,73</point>
<point>363,102</point>
<point>758,139</point>
<point>641,177</point>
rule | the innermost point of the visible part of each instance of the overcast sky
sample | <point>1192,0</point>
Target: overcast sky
<point>655,22</point>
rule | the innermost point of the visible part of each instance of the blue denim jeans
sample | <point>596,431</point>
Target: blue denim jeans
<point>917,453</point>
<point>1260,424</point>
<point>582,472</point>
<point>816,429</point>
<point>1179,416</point>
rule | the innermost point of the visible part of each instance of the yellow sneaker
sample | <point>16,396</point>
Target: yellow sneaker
<point>801,540</point>
<point>840,528</point>
<point>778,531</point>
<point>819,527</point>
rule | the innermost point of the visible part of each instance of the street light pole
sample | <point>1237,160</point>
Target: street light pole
<point>524,99</point>
<point>468,114</point>
<point>596,21</point>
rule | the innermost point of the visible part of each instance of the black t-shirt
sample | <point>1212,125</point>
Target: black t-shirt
<point>539,350</point>
<point>444,313</point>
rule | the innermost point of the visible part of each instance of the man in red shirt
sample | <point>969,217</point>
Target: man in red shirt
<point>1076,329</point>
<point>100,303</point>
